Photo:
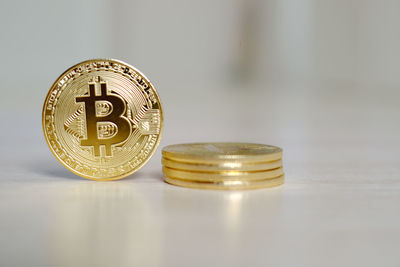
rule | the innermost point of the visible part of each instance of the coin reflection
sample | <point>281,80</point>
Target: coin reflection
<point>97,224</point>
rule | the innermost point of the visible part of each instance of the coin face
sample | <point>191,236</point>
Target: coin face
<point>210,152</point>
<point>102,119</point>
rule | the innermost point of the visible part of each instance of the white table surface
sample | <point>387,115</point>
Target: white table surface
<point>340,205</point>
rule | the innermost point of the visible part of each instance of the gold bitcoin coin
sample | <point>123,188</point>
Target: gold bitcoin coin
<point>102,119</point>
<point>217,152</point>
<point>227,185</point>
<point>222,166</point>
<point>222,176</point>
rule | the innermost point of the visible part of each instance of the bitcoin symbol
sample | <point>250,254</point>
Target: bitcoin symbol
<point>104,129</point>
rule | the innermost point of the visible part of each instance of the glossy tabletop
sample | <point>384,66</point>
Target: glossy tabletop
<point>340,205</point>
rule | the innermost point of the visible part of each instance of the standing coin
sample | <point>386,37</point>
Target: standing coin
<point>102,119</point>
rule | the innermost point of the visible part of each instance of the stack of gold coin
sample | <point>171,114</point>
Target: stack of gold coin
<point>223,165</point>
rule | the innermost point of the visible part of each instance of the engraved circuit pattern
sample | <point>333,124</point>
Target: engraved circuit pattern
<point>102,119</point>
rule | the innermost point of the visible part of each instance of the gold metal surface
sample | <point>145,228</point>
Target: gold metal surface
<point>222,176</point>
<point>217,152</point>
<point>102,119</point>
<point>222,166</point>
<point>227,185</point>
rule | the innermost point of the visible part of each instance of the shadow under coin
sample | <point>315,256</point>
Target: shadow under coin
<point>54,170</point>
<point>49,169</point>
<point>149,176</point>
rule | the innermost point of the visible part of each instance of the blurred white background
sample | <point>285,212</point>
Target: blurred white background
<point>203,45</point>
<point>201,53</point>
<point>319,78</point>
